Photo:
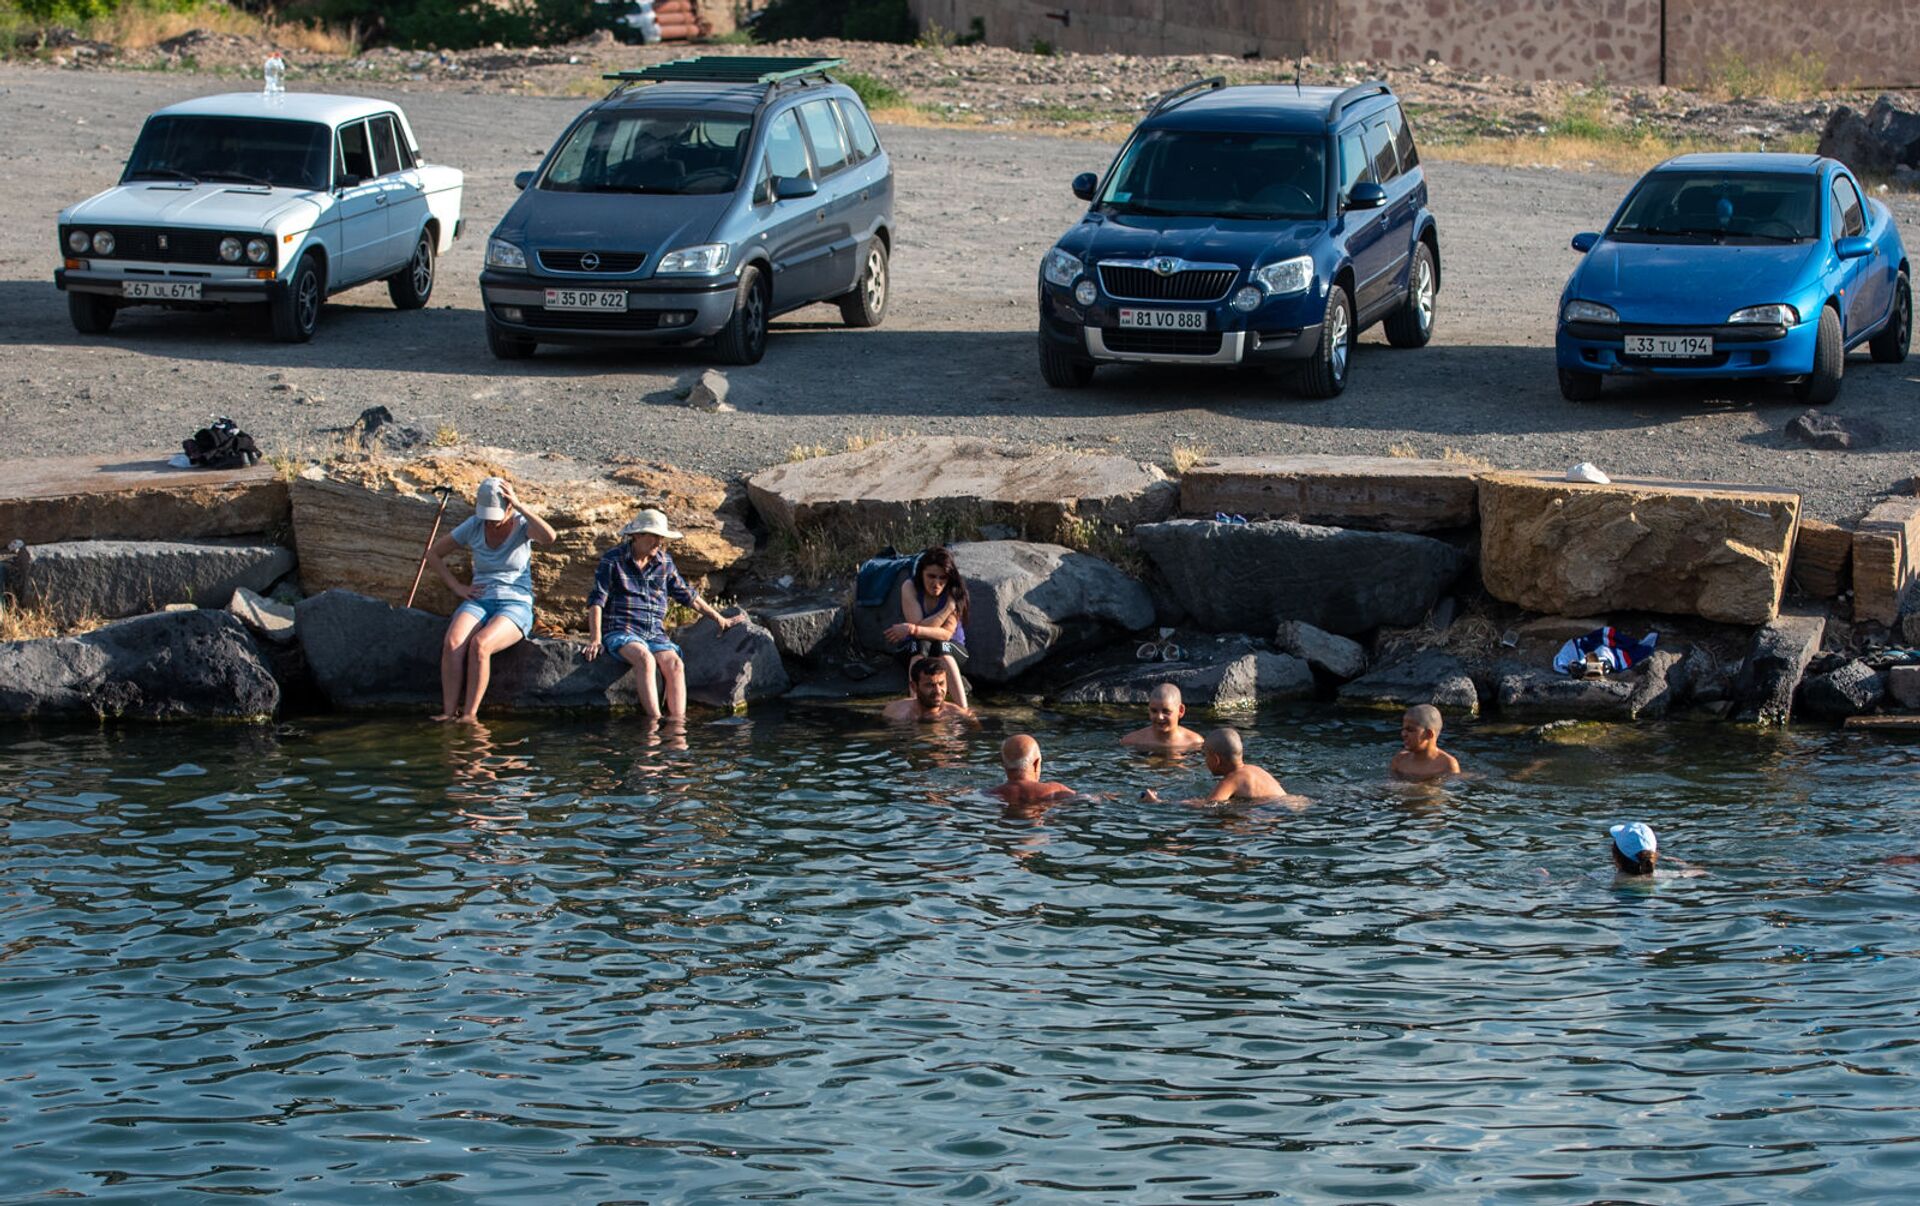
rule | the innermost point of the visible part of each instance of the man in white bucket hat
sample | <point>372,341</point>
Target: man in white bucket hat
<point>627,611</point>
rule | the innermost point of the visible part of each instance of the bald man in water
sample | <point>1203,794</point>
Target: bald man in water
<point>1239,780</point>
<point>1164,733</point>
<point>1020,755</point>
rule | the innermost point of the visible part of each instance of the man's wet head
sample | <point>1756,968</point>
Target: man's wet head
<point>929,683</point>
<point>1165,708</point>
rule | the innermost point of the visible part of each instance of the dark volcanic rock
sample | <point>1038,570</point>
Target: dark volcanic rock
<point>1428,677</point>
<point>171,666</point>
<point>1836,433</point>
<point>1851,690</point>
<point>1235,681</point>
<point>1778,656</point>
<point>731,668</point>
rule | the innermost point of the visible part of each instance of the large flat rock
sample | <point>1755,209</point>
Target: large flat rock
<point>135,497</point>
<point>1250,577</point>
<point>365,653</point>
<point>176,665</point>
<point>1398,494</point>
<point>1242,680</point>
<point>959,479</point>
<point>1684,548</point>
<point>361,525</point>
<point>114,578</point>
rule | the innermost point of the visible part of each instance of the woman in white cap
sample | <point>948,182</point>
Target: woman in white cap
<point>496,608</point>
<point>627,611</point>
<point>1636,851</point>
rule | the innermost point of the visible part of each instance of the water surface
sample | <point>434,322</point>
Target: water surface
<point>796,957</point>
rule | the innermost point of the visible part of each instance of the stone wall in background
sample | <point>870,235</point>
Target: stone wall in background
<point>1877,44</point>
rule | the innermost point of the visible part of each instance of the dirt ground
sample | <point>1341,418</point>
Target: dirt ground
<point>956,356</point>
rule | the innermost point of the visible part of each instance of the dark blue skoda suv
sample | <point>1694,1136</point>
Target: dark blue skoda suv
<point>1248,224</point>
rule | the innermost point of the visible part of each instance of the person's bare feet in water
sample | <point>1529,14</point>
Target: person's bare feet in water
<point>442,717</point>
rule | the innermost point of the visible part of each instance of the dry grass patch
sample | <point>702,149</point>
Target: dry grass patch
<point>1797,77</point>
<point>1469,460</point>
<point>1186,456</point>
<point>447,436</point>
<point>835,551</point>
<point>1403,451</point>
<point>143,24</point>
<point>1109,542</point>
<point>858,441</point>
<point>19,623</point>
<point>1622,154</point>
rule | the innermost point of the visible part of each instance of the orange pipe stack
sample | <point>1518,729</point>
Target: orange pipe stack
<point>679,21</point>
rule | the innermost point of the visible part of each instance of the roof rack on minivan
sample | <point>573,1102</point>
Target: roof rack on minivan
<point>1187,92</point>
<point>773,71</point>
<point>1353,96</point>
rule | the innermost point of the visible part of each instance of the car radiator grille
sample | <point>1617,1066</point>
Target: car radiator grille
<point>143,243</point>
<point>1161,343</point>
<point>1144,284</point>
<point>611,262</point>
<point>590,320</point>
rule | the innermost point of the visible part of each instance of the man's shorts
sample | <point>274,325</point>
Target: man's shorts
<point>484,610</point>
<point>613,642</point>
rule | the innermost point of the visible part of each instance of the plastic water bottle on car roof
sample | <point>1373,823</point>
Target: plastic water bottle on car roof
<point>275,71</point>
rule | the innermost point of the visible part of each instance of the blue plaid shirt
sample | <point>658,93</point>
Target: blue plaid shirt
<point>633,595</point>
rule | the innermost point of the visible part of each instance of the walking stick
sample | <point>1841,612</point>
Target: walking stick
<point>445,492</point>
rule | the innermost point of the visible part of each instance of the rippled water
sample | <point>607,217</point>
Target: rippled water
<point>801,958</point>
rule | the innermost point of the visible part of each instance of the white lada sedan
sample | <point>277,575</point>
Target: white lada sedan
<point>246,198</point>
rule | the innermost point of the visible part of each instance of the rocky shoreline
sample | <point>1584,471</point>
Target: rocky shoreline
<point>1376,582</point>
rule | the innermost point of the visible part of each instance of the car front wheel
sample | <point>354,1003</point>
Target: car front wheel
<point>1576,386</point>
<point>1325,375</point>
<point>412,286</point>
<point>1061,369</point>
<point>1890,345</point>
<point>505,346</point>
<point>92,313</point>
<point>744,339</point>
<point>296,313</point>
<point>1822,385</point>
<point>867,304</point>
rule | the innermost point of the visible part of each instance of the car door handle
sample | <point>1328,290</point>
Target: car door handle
<point>379,198</point>
<point>819,215</point>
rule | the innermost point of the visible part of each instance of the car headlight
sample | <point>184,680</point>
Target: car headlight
<point>103,242</point>
<point>1586,311</point>
<point>502,254</point>
<point>230,249</point>
<point>1288,276</point>
<point>704,260</point>
<point>258,249</point>
<point>77,242</point>
<point>1061,269</point>
<point>1777,314</point>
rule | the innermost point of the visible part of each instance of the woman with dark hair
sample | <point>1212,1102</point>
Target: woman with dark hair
<point>1635,848</point>
<point>933,600</point>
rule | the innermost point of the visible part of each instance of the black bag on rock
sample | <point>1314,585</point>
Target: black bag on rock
<point>221,445</point>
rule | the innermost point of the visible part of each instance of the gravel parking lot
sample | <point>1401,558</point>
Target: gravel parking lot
<point>955,356</point>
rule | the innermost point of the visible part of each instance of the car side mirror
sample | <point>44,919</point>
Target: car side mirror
<point>1584,241</point>
<point>1366,195</point>
<point>522,179</point>
<point>1084,184</point>
<point>793,188</point>
<point>1853,247</point>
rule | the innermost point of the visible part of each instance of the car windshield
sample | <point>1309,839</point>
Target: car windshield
<point>1191,173</point>
<point>232,150</point>
<point>651,152</point>
<point>1719,207</point>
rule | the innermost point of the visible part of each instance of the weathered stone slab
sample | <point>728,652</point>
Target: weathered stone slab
<point>170,666</point>
<point>1331,655</point>
<point>1399,494</point>
<point>1778,656</point>
<point>732,668</point>
<point>1686,548</point>
<point>361,525</point>
<point>1886,553</point>
<point>114,578</point>
<point>1250,577</point>
<point>1822,558</point>
<point>1648,692</point>
<point>1903,684</point>
<point>1428,677</point>
<point>269,618</point>
<point>47,500</point>
<point>1848,690</point>
<point>808,632</point>
<point>1239,681</point>
<point>365,653</point>
<point>962,479</point>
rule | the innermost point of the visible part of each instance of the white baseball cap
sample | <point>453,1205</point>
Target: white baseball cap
<point>1631,839</point>
<point>650,523</point>
<point>487,501</point>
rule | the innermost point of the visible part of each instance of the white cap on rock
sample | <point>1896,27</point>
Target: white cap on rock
<point>1587,471</point>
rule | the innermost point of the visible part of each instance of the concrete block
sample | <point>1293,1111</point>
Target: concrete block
<point>1886,552</point>
<point>49,500</point>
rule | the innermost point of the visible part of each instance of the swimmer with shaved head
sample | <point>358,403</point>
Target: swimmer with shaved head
<point>1422,757</point>
<point>1239,779</point>
<point>1020,755</point>
<point>1164,733</point>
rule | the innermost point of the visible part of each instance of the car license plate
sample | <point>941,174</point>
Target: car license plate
<point>161,290</point>
<point>1670,347</point>
<point>1164,320</point>
<point>586,299</point>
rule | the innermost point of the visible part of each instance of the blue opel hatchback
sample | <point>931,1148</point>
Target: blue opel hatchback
<point>698,200</point>
<point>1761,265</point>
<point>1255,224</point>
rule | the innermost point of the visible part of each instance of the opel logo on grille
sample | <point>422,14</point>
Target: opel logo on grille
<point>1166,265</point>
<point>590,261</point>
